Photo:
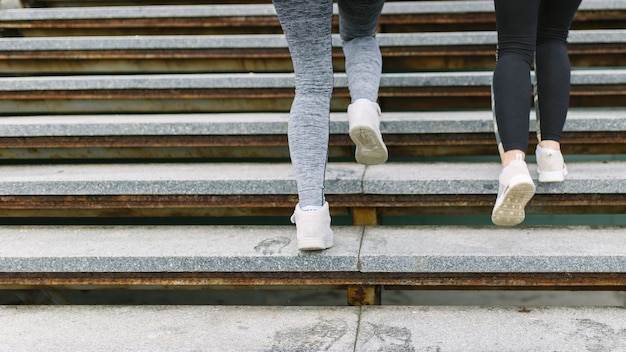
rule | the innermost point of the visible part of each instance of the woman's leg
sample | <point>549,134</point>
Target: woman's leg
<point>516,22</point>
<point>357,25</point>
<point>358,21</point>
<point>307,27</point>
<point>553,68</point>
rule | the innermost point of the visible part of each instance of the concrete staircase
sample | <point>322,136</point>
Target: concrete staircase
<point>144,148</point>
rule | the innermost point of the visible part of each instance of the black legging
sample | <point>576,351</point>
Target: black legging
<point>527,29</point>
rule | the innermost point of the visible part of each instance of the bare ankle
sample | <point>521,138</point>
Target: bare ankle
<point>511,155</point>
<point>550,145</point>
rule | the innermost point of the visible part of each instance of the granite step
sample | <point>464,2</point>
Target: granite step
<point>424,178</point>
<point>90,17</point>
<point>236,328</point>
<point>238,136</point>
<point>214,189</point>
<point>268,53</point>
<point>262,92</point>
<point>407,257</point>
<point>253,123</point>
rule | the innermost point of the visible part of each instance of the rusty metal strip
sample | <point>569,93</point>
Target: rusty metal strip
<point>516,281</point>
<point>364,295</point>
<point>288,200</point>
<point>584,19</point>
<point>263,205</point>
<point>481,200</point>
<point>132,94</point>
<point>283,53</point>
<point>355,280</point>
<point>161,22</point>
<point>584,140</point>
<point>146,141</point>
<point>391,98</point>
<point>174,54</point>
<point>146,201</point>
<point>63,149</point>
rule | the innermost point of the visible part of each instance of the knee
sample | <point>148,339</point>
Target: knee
<point>548,35</point>
<point>516,50</point>
<point>367,43</point>
<point>315,85</point>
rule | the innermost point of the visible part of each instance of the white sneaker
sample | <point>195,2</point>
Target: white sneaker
<point>516,189</point>
<point>364,122</point>
<point>313,228</point>
<point>550,165</point>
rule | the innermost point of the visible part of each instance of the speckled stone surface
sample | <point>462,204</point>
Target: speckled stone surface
<point>408,249</point>
<point>596,36</point>
<point>608,119</point>
<point>177,328</point>
<point>276,123</point>
<point>265,41</point>
<point>486,38</point>
<point>600,177</point>
<point>171,249</point>
<point>273,80</point>
<point>147,81</point>
<point>181,178</point>
<point>482,178</point>
<point>479,329</point>
<point>599,76</point>
<point>182,11</point>
<point>151,124</point>
<point>121,12</point>
<point>431,178</point>
<point>161,42</point>
<point>493,249</point>
<point>277,178</point>
<point>369,328</point>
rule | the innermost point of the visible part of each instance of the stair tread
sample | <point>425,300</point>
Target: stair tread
<point>256,249</point>
<point>492,249</point>
<point>418,122</point>
<point>251,328</point>
<point>434,178</point>
<point>171,249</point>
<point>238,92</point>
<point>220,10</point>
<point>264,41</point>
<point>273,80</point>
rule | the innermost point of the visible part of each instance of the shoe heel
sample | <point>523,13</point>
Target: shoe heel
<point>511,211</point>
<point>314,244</point>
<point>313,230</point>
<point>370,149</point>
<point>552,176</point>
<point>364,130</point>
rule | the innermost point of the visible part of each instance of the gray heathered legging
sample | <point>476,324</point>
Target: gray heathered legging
<point>307,27</point>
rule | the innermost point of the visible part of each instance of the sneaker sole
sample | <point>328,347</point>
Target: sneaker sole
<point>511,211</point>
<point>370,148</point>
<point>314,244</point>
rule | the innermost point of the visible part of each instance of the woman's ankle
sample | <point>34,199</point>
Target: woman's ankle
<point>512,155</point>
<point>548,144</point>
